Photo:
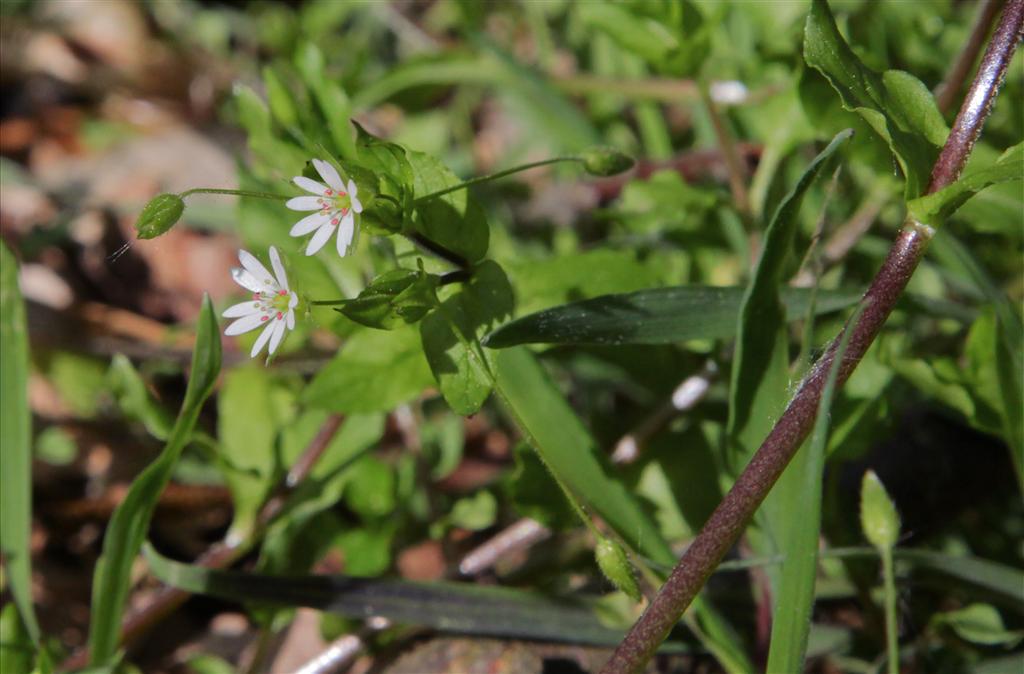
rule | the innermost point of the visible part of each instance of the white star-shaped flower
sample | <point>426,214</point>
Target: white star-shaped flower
<point>272,303</point>
<point>335,205</point>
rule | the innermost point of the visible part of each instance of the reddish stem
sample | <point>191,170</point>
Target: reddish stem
<point>730,518</point>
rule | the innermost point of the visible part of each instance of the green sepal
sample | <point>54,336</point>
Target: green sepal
<point>392,299</point>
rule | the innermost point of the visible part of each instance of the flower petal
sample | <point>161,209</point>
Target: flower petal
<point>241,309</point>
<point>276,336</point>
<point>353,189</point>
<point>320,238</point>
<point>357,205</point>
<point>345,233</point>
<point>309,223</point>
<point>304,203</point>
<point>311,186</point>
<point>245,324</point>
<point>256,268</point>
<point>261,340</point>
<point>246,280</point>
<point>275,262</point>
<point>329,174</point>
<point>290,319</point>
<point>293,301</point>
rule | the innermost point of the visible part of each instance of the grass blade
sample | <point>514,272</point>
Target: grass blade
<point>451,607</point>
<point>791,620</point>
<point>654,316</point>
<point>15,443</point>
<point>130,522</point>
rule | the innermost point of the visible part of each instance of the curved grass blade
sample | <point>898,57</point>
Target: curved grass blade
<point>558,437</point>
<point>655,316</point>
<point>450,607</point>
<point>791,621</point>
<point>15,445</point>
<point>130,522</point>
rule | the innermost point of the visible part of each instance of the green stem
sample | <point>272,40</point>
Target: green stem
<point>240,193</point>
<point>891,643</point>
<point>494,176</point>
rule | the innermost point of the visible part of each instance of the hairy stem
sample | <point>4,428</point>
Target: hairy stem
<point>892,644</point>
<point>237,193</point>
<point>494,176</point>
<point>730,518</point>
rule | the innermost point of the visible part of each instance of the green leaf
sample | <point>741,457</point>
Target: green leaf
<point>535,494</point>
<point>382,156</point>
<point>450,336</point>
<point>371,488</point>
<point>373,372</point>
<point>476,512</point>
<point>247,428</point>
<point>760,373</point>
<point>332,100</point>
<point>1004,581</point>
<point>367,550</point>
<point>672,37</point>
<point>15,444</point>
<point>134,398</point>
<point>801,506</point>
<point>895,104</point>
<point>394,298</point>
<point>159,215</point>
<point>1009,352</point>
<point>655,316</point>
<point>878,517</point>
<point>54,445</point>
<point>209,664</point>
<point>979,624</point>
<point>454,220</point>
<point>450,607</point>
<point>283,550</point>
<point>934,209</point>
<point>282,107</point>
<point>130,521</point>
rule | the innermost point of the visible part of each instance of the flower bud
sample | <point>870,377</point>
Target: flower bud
<point>605,161</point>
<point>611,558</point>
<point>878,516</point>
<point>159,215</point>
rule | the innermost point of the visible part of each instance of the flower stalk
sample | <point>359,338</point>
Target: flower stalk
<point>730,518</point>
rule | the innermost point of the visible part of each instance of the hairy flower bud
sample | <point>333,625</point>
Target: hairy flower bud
<point>159,215</point>
<point>611,558</point>
<point>605,161</point>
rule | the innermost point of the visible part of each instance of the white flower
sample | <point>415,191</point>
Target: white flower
<point>272,303</point>
<point>335,204</point>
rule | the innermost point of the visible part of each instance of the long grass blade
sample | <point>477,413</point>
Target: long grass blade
<point>130,522</point>
<point>791,620</point>
<point>15,443</point>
